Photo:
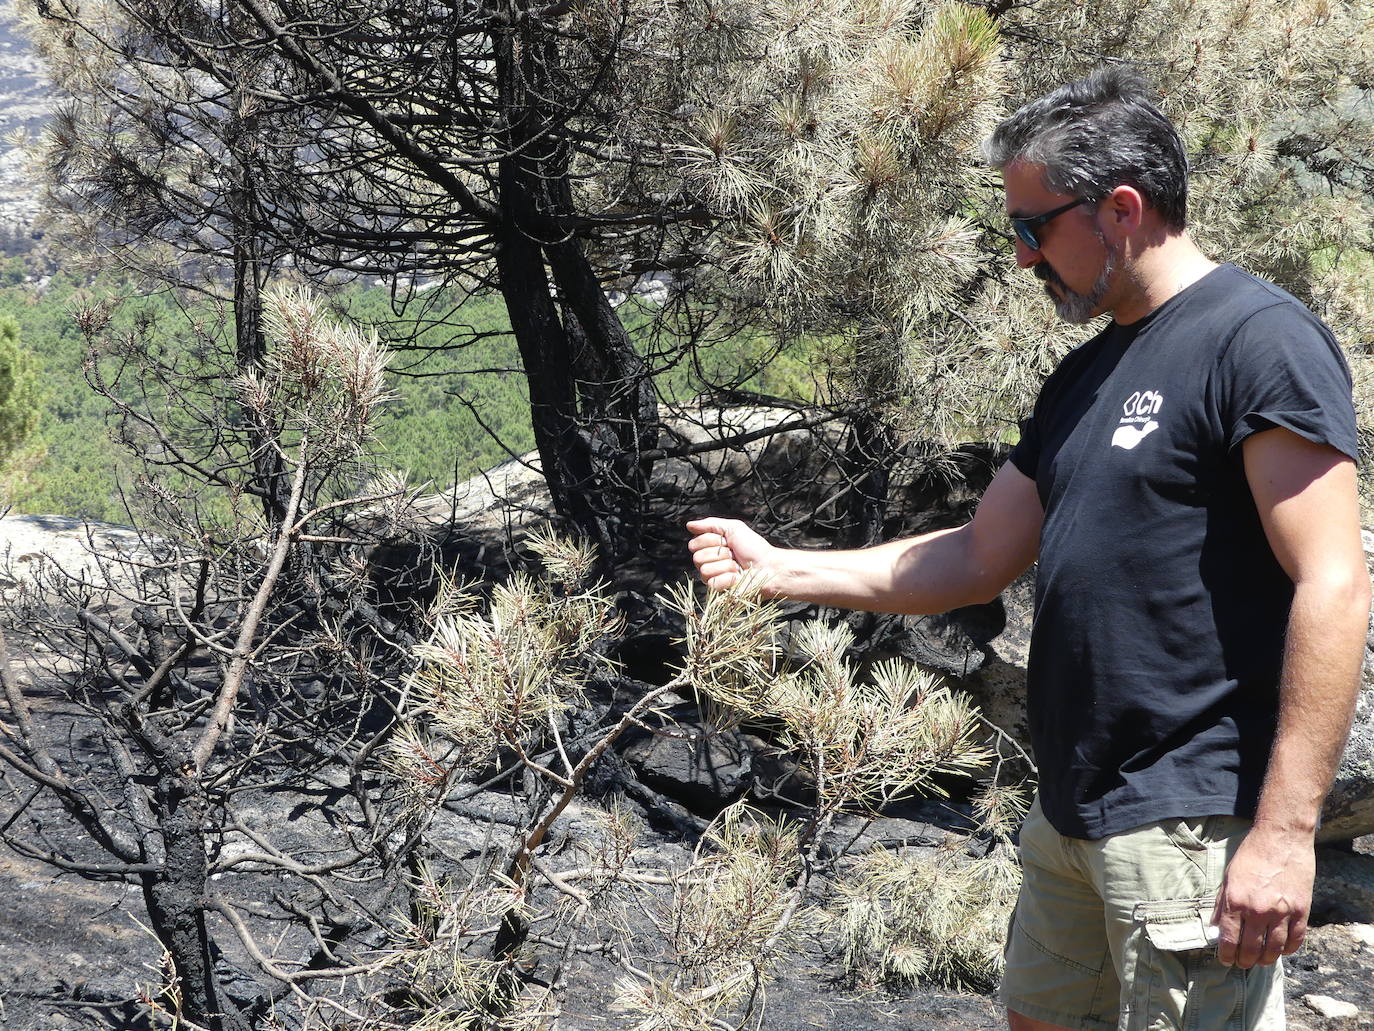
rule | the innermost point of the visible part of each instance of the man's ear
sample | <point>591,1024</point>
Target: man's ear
<point>1122,211</point>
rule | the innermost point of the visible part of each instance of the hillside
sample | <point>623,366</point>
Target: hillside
<point>460,397</point>
<point>24,106</point>
<point>433,430</point>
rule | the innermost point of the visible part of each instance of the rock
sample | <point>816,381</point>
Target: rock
<point>1344,889</point>
<point>1362,933</point>
<point>776,773</point>
<point>98,553</point>
<point>705,769</point>
<point>1305,959</point>
<point>954,643</point>
<point>999,684</point>
<point>1332,1009</point>
<point>739,476</point>
<point>856,835</point>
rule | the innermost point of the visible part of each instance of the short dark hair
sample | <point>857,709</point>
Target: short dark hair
<point>1098,133</point>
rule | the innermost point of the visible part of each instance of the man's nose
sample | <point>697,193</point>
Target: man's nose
<point>1026,257</point>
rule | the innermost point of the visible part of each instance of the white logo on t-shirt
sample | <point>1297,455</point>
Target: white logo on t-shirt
<point>1136,423</point>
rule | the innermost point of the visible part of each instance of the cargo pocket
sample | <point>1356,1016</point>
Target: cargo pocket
<point>1177,982</point>
<point>1190,835</point>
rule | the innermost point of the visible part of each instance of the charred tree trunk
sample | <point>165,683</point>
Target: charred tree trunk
<point>615,386</point>
<point>607,401</point>
<point>615,391</point>
<point>564,451</point>
<point>174,900</point>
<point>250,346</point>
<point>867,463</point>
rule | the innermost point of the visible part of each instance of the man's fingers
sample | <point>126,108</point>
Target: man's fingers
<point>1246,939</point>
<point>707,540</point>
<point>1229,929</point>
<point>1251,945</point>
<point>697,527</point>
<point>1241,942</point>
<point>1297,934</point>
<point>715,562</point>
<point>1275,942</point>
<point>722,549</point>
<point>717,566</point>
<point>706,552</point>
<point>710,542</point>
<point>1259,943</point>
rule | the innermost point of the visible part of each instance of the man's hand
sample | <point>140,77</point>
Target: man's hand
<point>1265,896</point>
<point>723,548</point>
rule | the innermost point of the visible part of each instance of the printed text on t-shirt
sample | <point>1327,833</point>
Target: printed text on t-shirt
<point>1137,422</point>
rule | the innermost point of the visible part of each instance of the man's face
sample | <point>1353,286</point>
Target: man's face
<point>1074,260</point>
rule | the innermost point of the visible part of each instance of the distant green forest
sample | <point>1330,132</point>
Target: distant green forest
<point>461,405</point>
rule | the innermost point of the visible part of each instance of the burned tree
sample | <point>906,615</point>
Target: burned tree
<point>208,681</point>
<point>442,145</point>
<point>206,685</point>
<point>806,172</point>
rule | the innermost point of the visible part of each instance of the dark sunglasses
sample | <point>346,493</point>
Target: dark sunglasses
<point>1026,227</point>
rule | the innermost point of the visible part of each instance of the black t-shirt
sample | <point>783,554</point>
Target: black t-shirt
<point>1160,609</point>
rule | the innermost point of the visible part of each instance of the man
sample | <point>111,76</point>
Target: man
<point>1187,482</point>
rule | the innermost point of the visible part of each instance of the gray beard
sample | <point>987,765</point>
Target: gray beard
<point>1073,307</point>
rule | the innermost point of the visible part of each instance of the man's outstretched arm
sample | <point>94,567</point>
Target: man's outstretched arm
<point>1307,500</point>
<point>931,573</point>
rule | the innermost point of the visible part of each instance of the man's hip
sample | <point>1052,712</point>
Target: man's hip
<point>1116,933</point>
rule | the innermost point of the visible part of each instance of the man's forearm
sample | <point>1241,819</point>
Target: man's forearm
<point>1305,493</point>
<point>1323,651</point>
<point>1266,896</point>
<point>931,573</point>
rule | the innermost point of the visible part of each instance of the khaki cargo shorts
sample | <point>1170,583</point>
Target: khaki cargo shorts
<point>1113,934</point>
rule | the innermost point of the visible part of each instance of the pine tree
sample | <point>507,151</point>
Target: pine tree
<point>18,391</point>
<point>840,149</point>
<point>801,168</point>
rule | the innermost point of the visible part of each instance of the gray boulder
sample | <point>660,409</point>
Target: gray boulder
<point>1344,891</point>
<point>100,554</point>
